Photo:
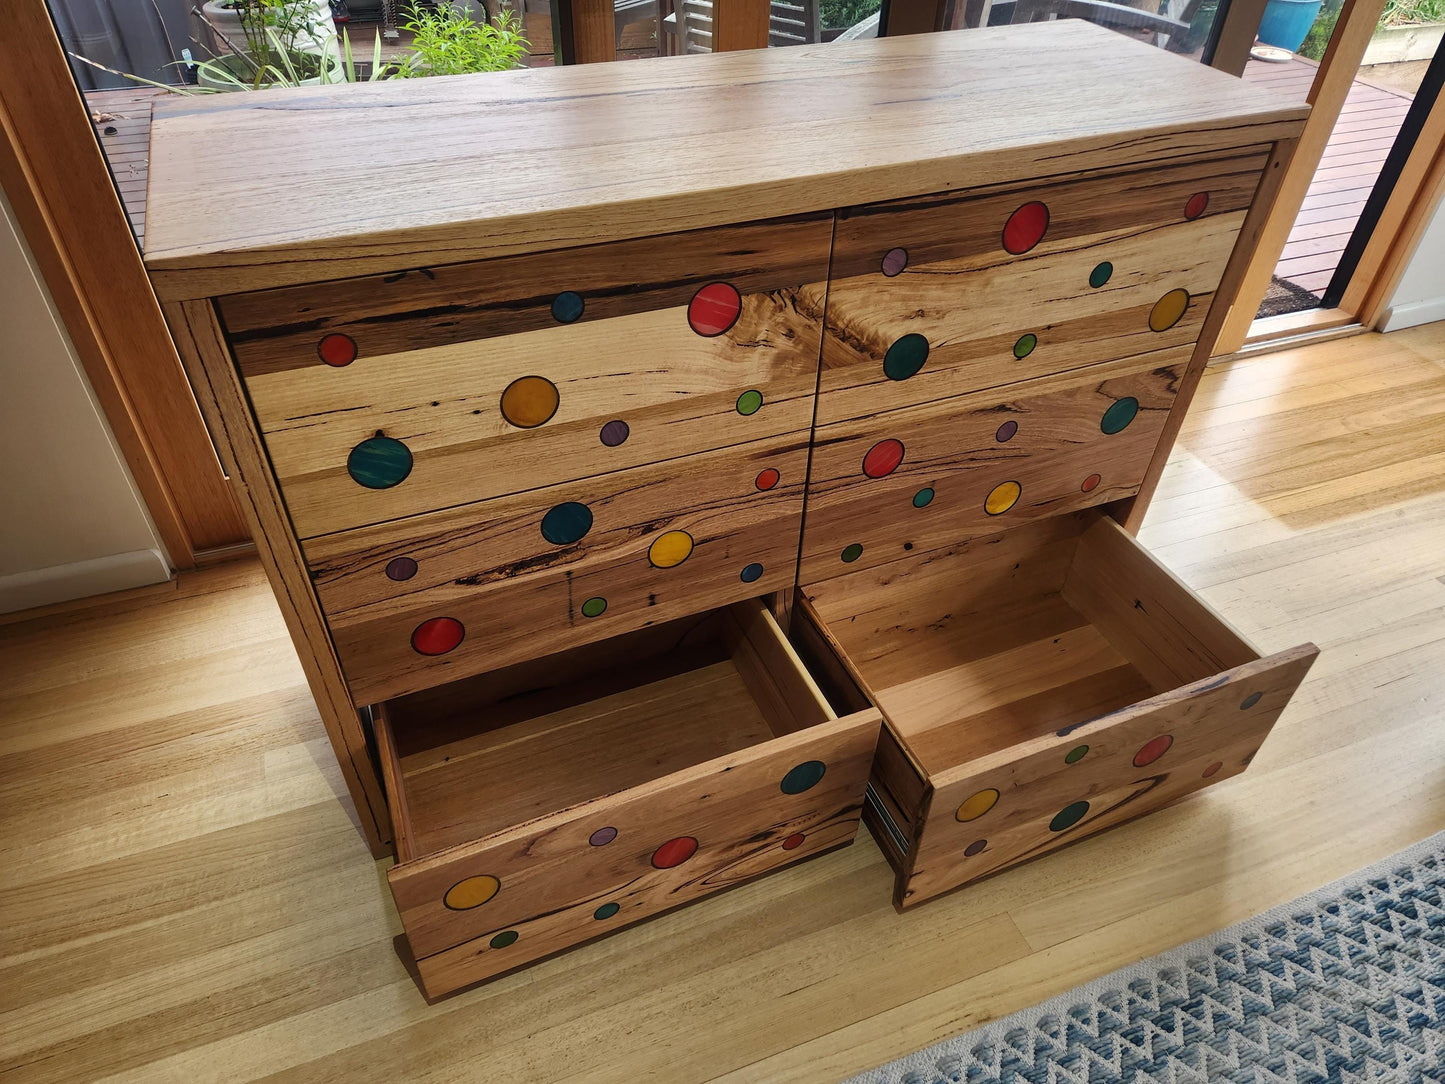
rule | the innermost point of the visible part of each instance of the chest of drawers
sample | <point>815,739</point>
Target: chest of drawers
<point>660,465</point>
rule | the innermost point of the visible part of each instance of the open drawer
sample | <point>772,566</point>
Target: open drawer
<point>1037,686</point>
<point>546,804</point>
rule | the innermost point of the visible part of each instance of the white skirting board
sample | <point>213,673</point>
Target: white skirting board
<point>61,583</point>
<point>1415,313</point>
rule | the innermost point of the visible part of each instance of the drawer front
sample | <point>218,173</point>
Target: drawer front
<point>433,598</point>
<point>938,296</point>
<point>394,395</point>
<point>549,885</point>
<point>921,478</point>
<point>1089,777</point>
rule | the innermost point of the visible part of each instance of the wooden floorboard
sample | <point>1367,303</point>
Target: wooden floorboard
<point>185,896</point>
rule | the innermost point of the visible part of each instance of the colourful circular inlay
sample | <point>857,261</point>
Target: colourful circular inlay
<point>1089,484</point>
<point>595,606</point>
<point>714,309</point>
<point>894,261</point>
<point>883,458</point>
<point>750,402</point>
<point>1069,816</point>
<point>567,307</point>
<point>566,523</point>
<point>923,498</point>
<point>1196,205</point>
<point>602,836</point>
<point>614,433</point>
<point>976,847</point>
<point>767,479</point>
<point>336,349</point>
<point>674,852</point>
<point>529,401</point>
<point>794,841</point>
<point>1006,431</point>
<point>437,635</point>
<point>1152,750</point>
<point>1101,274</point>
<point>607,910</point>
<point>503,939</point>
<point>1250,701</point>
<point>1213,770</point>
<point>670,549</point>
<point>1120,413</point>
<point>1168,310</point>
<point>1003,497</point>
<point>1025,345</point>
<point>905,357</point>
<point>851,552</point>
<point>804,776</point>
<point>1025,228</point>
<point>400,568</point>
<point>976,805</point>
<point>471,892</point>
<point>1076,754</point>
<point>379,462</point>
<point>751,573</point>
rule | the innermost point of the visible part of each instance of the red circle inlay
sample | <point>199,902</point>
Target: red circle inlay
<point>1196,205</point>
<point>337,349</point>
<point>883,458</point>
<point>437,636</point>
<point>794,841</point>
<point>1152,750</point>
<point>1090,483</point>
<point>767,479</point>
<point>714,309</point>
<point>1025,228</point>
<point>674,852</point>
<point>1213,768</point>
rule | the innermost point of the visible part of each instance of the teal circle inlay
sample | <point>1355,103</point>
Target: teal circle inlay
<point>503,939</point>
<point>750,402</point>
<point>566,523</point>
<point>1101,274</point>
<point>1119,415</point>
<point>1076,754</point>
<point>567,307</point>
<point>804,776</point>
<point>595,606</point>
<point>1025,346</point>
<point>607,910</point>
<point>1069,816</point>
<point>379,462</point>
<point>923,498</point>
<point>905,357</point>
<point>1250,701</point>
<point>852,552</point>
<point>751,573</point>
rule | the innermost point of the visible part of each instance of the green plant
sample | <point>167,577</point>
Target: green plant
<point>277,32</point>
<point>1318,39</point>
<point>836,14</point>
<point>450,42</point>
<point>1402,12</point>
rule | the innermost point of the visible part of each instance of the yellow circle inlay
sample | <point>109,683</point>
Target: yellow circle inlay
<point>670,549</point>
<point>472,892</point>
<point>977,805</point>
<point>529,401</point>
<point>1004,496</point>
<point>1168,310</point>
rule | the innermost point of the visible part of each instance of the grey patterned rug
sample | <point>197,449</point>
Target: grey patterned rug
<point>1346,984</point>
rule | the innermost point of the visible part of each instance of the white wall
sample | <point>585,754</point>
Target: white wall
<point>71,521</point>
<point>1420,297</point>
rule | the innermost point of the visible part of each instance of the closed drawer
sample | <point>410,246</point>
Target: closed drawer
<point>920,478</point>
<point>556,801</point>
<point>388,396</point>
<point>932,297</point>
<point>1038,686</point>
<point>419,601</point>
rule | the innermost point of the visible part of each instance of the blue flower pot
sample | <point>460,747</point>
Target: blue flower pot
<point>1286,23</point>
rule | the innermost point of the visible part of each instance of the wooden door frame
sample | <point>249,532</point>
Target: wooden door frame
<point>56,177</point>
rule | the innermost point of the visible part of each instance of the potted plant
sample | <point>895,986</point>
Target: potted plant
<point>263,42</point>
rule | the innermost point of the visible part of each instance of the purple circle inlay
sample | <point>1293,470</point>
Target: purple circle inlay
<point>602,836</point>
<point>975,847</point>
<point>894,261</point>
<point>1006,431</point>
<point>614,433</point>
<point>401,568</point>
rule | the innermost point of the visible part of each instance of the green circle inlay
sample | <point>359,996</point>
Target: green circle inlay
<point>1025,346</point>
<point>1076,754</point>
<point>1119,415</point>
<point>1101,274</point>
<point>905,357</point>
<point>503,939</point>
<point>750,402</point>
<point>566,523</point>
<point>607,910</point>
<point>1069,816</point>
<point>595,606</point>
<point>852,552</point>
<point>379,462</point>
<point>923,498</point>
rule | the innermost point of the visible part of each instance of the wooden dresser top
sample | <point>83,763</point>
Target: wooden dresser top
<point>249,191</point>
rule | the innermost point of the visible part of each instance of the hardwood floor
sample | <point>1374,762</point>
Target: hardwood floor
<point>184,896</point>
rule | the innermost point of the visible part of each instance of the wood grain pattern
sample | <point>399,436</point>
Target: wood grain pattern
<point>490,566</point>
<point>1044,436</point>
<point>676,391</point>
<point>974,302</point>
<point>532,160</point>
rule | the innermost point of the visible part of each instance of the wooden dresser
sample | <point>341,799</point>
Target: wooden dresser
<point>659,464</point>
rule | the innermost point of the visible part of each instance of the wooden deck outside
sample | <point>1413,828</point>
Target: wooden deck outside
<point>1352,160</point>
